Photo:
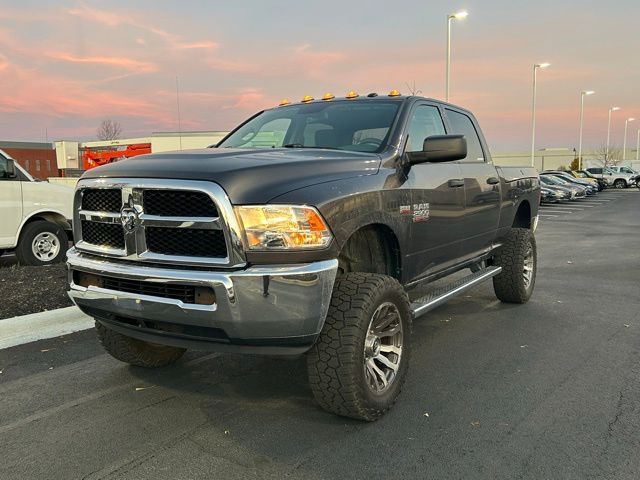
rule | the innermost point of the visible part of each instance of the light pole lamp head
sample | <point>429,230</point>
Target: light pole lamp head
<point>631,119</point>
<point>542,65</point>
<point>588,92</point>
<point>614,109</point>
<point>461,15</point>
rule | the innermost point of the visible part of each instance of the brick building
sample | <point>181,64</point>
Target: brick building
<point>39,159</point>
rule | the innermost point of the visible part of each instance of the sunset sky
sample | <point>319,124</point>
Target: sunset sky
<point>66,65</point>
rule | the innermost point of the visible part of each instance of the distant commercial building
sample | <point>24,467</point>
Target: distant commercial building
<point>37,158</point>
<point>70,153</point>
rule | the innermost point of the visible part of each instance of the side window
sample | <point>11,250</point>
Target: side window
<point>4,168</point>
<point>425,122</point>
<point>462,124</point>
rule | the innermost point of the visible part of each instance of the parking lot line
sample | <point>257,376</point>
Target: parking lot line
<point>560,209</point>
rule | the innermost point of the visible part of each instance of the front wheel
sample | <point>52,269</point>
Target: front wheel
<point>42,243</point>
<point>620,183</point>
<point>359,363</point>
<point>518,258</point>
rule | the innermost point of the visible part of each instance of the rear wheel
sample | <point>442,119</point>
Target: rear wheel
<point>518,259</point>
<point>137,352</point>
<point>359,363</point>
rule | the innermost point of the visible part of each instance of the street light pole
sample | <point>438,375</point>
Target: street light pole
<point>606,155</point>
<point>624,143</point>
<point>533,109</point>
<point>638,147</point>
<point>454,16</point>
<point>582,95</point>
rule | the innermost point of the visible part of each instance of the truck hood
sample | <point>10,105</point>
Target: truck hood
<point>247,175</point>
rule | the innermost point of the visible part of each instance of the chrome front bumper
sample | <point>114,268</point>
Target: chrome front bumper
<point>261,309</point>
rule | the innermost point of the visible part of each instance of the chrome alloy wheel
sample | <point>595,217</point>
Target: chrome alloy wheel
<point>527,271</point>
<point>383,347</point>
<point>45,246</point>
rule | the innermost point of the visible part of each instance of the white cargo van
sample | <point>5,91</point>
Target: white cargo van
<point>35,217</point>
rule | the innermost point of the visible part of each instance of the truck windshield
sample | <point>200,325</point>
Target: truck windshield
<point>360,126</point>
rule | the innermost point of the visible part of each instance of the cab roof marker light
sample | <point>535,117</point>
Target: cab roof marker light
<point>352,94</point>
<point>394,93</point>
<point>307,99</point>
<point>284,101</point>
<point>328,96</point>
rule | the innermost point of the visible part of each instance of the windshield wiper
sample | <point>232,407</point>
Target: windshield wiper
<point>299,145</point>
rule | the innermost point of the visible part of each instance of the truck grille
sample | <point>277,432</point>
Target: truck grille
<point>178,204</point>
<point>103,234</point>
<point>186,242</point>
<point>148,221</point>
<point>102,200</point>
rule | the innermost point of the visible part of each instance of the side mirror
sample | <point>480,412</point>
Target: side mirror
<point>440,148</point>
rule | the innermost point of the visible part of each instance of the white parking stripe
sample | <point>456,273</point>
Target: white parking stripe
<point>547,216</point>
<point>573,209</point>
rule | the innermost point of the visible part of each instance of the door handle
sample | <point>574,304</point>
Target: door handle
<point>493,180</point>
<point>456,182</point>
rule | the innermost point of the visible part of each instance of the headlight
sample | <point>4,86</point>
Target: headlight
<point>283,227</point>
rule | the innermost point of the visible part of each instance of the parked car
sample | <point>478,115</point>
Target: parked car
<point>551,195</point>
<point>584,175</point>
<point>592,187</point>
<point>302,232</point>
<point>36,216</point>
<point>570,192</point>
<point>615,179</point>
<point>589,189</point>
<point>628,170</point>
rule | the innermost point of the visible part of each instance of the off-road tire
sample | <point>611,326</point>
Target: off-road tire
<point>510,285</point>
<point>336,362</point>
<point>136,352</point>
<point>24,252</point>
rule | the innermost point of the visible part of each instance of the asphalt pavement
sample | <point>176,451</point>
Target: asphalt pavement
<point>546,390</point>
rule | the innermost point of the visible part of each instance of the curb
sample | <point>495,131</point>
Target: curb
<point>39,326</point>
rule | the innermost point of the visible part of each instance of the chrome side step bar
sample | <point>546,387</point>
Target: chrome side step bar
<point>443,294</point>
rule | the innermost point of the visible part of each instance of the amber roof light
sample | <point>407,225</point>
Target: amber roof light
<point>328,96</point>
<point>352,94</point>
<point>307,99</point>
<point>284,101</point>
<point>394,93</point>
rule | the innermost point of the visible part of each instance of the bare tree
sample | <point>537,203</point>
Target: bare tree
<point>109,130</point>
<point>614,157</point>
<point>413,90</point>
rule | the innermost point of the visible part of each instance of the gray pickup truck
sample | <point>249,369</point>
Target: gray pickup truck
<point>307,230</point>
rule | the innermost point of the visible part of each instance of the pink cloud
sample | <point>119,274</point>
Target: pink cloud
<point>208,45</point>
<point>126,63</point>
<point>233,65</point>
<point>112,20</point>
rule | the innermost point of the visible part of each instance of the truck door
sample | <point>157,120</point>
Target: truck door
<point>437,200</point>
<point>10,205</point>
<point>481,187</point>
